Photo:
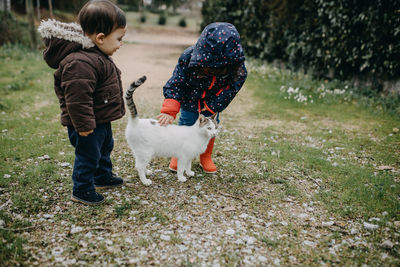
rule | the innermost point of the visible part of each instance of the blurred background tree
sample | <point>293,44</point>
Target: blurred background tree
<point>356,40</point>
<point>31,23</point>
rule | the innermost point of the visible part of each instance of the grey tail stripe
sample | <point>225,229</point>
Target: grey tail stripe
<point>128,95</point>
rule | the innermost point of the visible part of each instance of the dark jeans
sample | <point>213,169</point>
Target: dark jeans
<point>92,157</point>
<point>188,118</point>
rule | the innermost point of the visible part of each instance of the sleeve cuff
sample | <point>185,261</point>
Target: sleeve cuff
<point>84,127</point>
<point>170,107</point>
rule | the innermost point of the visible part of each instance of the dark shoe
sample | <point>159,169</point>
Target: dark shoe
<point>88,198</point>
<point>113,182</point>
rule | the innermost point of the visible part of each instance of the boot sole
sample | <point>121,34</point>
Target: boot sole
<point>79,200</point>
<point>172,170</point>
<point>210,172</point>
<point>108,186</point>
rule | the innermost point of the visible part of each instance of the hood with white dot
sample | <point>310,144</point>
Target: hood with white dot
<point>218,46</point>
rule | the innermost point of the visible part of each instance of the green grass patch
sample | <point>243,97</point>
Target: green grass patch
<point>332,140</point>
<point>31,140</point>
<point>11,245</point>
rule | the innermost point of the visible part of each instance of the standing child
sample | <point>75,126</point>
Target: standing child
<point>88,86</point>
<point>206,79</point>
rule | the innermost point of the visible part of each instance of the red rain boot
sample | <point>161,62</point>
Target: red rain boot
<point>205,159</point>
<point>173,165</point>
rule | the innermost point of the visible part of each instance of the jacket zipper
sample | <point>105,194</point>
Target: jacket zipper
<point>203,95</point>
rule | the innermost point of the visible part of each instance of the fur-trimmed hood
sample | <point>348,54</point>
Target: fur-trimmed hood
<point>61,39</point>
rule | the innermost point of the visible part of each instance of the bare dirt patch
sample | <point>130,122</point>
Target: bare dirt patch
<point>153,55</point>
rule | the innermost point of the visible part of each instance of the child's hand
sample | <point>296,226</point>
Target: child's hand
<point>165,119</point>
<point>85,133</point>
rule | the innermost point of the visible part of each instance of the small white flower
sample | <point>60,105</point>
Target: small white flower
<point>165,237</point>
<point>370,226</point>
<point>262,258</point>
<point>230,231</point>
<point>48,216</point>
<point>65,164</point>
<point>243,216</point>
<point>327,224</point>
<point>76,229</point>
<point>309,243</point>
<point>57,251</point>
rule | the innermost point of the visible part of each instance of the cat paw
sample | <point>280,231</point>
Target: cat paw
<point>182,179</point>
<point>190,173</point>
<point>147,182</point>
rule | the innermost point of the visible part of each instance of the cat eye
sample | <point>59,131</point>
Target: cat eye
<point>209,128</point>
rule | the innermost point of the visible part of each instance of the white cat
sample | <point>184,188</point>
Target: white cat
<point>148,139</point>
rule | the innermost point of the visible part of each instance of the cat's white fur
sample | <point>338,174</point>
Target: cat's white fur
<point>148,139</point>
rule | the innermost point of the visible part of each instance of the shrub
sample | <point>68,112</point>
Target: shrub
<point>333,39</point>
<point>143,18</point>
<point>162,19</point>
<point>182,22</point>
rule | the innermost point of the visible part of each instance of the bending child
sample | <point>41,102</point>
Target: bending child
<point>88,86</point>
<point>206,79</point>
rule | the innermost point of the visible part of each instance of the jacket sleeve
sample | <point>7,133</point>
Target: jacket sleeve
<point>79,82</point>
<point>224,96</point>
<point>173,88</point>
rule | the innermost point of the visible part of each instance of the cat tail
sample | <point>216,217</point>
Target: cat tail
<point>128,95</point>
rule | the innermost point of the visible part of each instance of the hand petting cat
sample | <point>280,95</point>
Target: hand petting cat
<point>165,119</point>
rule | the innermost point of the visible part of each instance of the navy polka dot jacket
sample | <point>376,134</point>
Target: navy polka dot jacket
<point>190,89</point>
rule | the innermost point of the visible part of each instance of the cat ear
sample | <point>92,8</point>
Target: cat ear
<point>202,120</point>
<point>214,116</point>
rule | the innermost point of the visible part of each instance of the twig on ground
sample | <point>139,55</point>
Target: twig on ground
<point>229,195</point>
<point>315,181</point>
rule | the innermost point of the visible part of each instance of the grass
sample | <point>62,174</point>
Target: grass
<point>28,132</point>
<point>341,143</point>
<point>327,152</point>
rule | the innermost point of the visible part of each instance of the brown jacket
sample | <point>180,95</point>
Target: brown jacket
<point>87,82</point>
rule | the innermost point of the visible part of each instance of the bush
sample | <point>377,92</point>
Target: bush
<point>162,19</point>
<point>182,23</point>
<point>143,18</point>
<point>333,39</point>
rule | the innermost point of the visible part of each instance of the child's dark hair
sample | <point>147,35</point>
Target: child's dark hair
<point>101,16</point>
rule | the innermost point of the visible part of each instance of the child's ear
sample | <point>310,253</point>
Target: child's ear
<point>99,38</point>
